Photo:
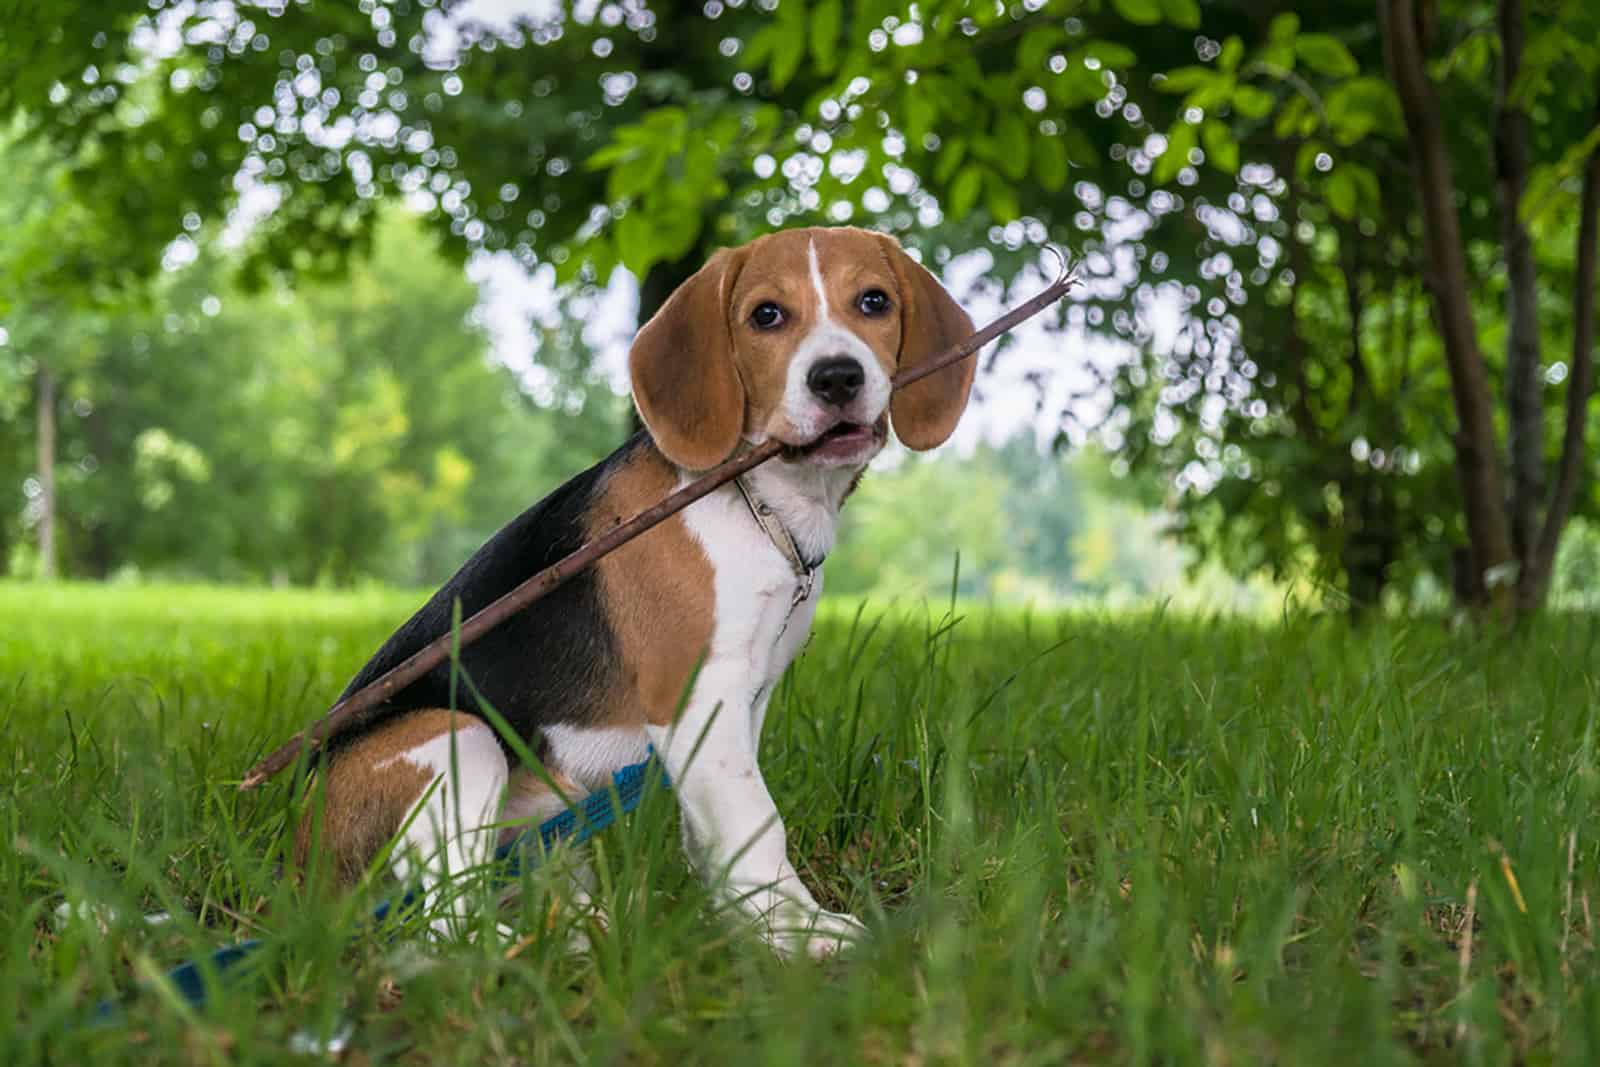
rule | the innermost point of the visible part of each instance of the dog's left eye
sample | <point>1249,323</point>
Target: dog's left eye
<point>767,316</point>
<point>873,302</point>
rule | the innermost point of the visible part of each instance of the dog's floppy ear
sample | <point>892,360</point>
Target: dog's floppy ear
<point>685,385</point>
<point>925,414</point>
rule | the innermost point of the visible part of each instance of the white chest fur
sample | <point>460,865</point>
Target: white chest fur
<point>763,609</point>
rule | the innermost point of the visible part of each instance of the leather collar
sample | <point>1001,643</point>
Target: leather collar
<point>776,531</point>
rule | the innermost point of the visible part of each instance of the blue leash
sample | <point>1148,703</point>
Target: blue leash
<point>574,826</point>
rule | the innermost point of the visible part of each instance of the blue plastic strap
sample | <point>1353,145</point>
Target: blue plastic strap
<point>573,826</point>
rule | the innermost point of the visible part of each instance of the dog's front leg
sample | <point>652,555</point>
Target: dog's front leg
<point>732,828</point>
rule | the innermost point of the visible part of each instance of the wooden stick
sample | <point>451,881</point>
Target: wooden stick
<point>347,711</point>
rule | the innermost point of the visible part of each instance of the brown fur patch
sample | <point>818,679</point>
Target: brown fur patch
<point>685,384</point>
<point>925,414</point>
<point>657,592</point>
<point>364,804</point>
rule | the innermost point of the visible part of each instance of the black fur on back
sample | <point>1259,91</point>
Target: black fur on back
<point>550,663</point>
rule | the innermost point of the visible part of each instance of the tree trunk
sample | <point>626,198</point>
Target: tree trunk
<point>100,553</point>
<point>1370,541</point>
<point>663,279</point>
<point>1477,461</point>
<point>1524,391</point>
<point>1580,385</point>
<point>47,472</point>
<point>1367,554</point>
<point>1361,394</point>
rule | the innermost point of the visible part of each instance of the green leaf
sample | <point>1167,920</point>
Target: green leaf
<point>1252,103</point>
<point>1545,183</point>
<point>761,124</point>
<point>1276,59</point>
<point>951,153</point>
<point>667,123</point>
<point>1050,163</point>
<point>787,53</point>
<point>1371,198</point>
<point>1139,12</point>
<point>1002,198</point>
<point>1473,57</point>
<point>1326,54</point>
<point>1076,85</point>
<point>1214,94</point>
<point>626,182</point>
<point>1037,45</point>
<point>1292,118</point>
<point>1348,127</point>
<point>1232,52</point>
<point>986,148</point>
<point>1079,147</point>
<point>1111,55</point>
<point>1011,139</point>
<point>677,227</point>
<point>1305,160</point>
<point>965,189</point>
<point>1342,192</point>
<point>636,242</point>
<point>1221,149</point>
<point>1180,140</point>
<point>762,42</point>
<point>617,151</point>
<point>1284,28</point>
<point>701,163</point>
<point>825,23</point>
<point>1183,79</point>
<point>1358,106</point>
<point>920,112</point>
<point>1184,13</point>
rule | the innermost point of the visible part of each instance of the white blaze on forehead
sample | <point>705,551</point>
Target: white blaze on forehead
<point>816,280</point>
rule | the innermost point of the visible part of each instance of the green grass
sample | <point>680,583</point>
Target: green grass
<point>1075,838</point>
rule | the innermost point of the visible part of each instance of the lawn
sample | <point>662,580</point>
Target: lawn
<point>1075,838</point>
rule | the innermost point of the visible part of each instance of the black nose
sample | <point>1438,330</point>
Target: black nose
<point>836,380</point>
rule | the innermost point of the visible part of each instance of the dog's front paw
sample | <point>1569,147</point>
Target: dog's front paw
<point>793,928</point>
<point>832,931</point>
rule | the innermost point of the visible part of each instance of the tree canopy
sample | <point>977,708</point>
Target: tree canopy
<point>1349,252</point>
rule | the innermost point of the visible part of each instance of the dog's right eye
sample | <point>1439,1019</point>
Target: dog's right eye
<point>768,316</point>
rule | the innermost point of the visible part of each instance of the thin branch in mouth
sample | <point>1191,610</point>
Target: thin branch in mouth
<point>837,430</point>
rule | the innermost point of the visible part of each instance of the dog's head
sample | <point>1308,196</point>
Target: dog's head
<point>795,336</point>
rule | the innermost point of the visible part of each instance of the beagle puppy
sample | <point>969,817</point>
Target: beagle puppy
<point>794,336</point>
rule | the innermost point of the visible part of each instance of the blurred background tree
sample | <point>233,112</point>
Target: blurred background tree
<point>1342,259</point>
<point>339,430</point>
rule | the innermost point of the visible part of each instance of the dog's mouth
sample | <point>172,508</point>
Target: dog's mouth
<point>841,441</point>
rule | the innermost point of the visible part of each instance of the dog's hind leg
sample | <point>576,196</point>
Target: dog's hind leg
<point>452,829</point>
<point>438,779</point>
